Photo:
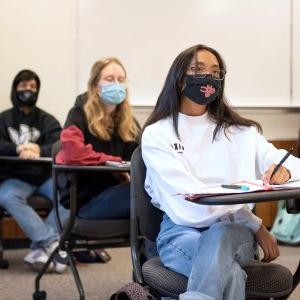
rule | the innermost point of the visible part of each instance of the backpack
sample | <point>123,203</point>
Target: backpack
<point>132,291</point>
<point>286,227</point>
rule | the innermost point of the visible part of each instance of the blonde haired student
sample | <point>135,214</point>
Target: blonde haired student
<point>101,127</point>
<point>193,139</point>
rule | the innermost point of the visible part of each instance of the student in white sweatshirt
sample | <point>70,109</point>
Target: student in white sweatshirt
<point>194,139</point>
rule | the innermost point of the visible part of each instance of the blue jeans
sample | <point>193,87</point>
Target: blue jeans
<point>211,258</point>
<point>113,203</point>
<point>13,197</point>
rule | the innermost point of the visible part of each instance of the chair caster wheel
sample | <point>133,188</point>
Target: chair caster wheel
<point>39,295</point>
<point>4,264</point>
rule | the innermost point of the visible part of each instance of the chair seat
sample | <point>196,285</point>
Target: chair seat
<point>264,279</point>
<point>101,228</point>
<point>268,280</point>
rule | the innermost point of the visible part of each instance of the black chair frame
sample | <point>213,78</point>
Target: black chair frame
<point>72,235</point>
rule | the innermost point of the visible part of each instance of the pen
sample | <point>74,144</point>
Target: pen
<point>281,162</point>
<point>235,187</point>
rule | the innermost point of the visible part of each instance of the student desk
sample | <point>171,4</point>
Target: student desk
<point>72,171</point>
<point>40,160</point>
<point>254,197</point>
<point>77,233</point>
<point>89,169</point>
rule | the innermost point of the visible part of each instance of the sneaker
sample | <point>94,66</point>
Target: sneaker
<point>37,258</point>
<point>60,258</point>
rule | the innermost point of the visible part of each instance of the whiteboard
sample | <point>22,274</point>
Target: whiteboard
<point>253,36</point>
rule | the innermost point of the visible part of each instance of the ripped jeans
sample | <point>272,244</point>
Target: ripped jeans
<point>211,258</point>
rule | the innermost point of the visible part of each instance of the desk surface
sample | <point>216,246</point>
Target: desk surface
<point>254,197</point>
<point>46,160</point>
<point>99,168</point>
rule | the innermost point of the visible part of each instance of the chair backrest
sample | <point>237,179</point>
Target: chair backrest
<point>55,149</point>
<point>147,216</point>
<point>293,206</point>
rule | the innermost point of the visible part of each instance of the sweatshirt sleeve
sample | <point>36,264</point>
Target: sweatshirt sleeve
<point>162,162</point>
<point>51,134</point>
<point>247,218</point>
<point>266,154</point>
<point>75,152</point>
<point>167,178</point>
<point>6,146</point>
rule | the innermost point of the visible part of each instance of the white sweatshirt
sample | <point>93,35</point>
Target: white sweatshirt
<point>195,161</point>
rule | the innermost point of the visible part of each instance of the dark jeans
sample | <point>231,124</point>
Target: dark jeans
<point>113,203</point>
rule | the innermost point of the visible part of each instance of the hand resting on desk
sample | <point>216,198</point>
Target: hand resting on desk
<point>29,151</point>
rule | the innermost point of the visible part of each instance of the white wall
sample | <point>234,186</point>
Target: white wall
<point>40,35</point>
<point>277,123</point>
<point>252,35</point>
<point>60,40</point>
<point>296,52</point>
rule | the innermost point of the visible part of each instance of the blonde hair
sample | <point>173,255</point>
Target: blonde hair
<point>100,123</point>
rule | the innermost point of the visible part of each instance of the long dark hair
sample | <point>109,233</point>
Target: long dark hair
<point>168,103</point>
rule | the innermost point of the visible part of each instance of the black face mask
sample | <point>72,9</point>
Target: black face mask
<point>27,97</point>
<point>202,90</point>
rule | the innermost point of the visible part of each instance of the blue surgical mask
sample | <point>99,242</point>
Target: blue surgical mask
<point>113,93</point>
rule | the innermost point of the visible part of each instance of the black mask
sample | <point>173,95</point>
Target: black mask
<point>202,90</point>
<point>27,97</point>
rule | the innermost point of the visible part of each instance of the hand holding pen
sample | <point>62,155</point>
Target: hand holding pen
<point>278,174</point>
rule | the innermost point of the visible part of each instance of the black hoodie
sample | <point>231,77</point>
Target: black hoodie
<point>17,128</point>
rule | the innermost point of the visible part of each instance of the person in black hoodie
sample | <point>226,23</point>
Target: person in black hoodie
<point>29,132</point>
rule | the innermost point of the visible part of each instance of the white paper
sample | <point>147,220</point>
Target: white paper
<point>253,185</point>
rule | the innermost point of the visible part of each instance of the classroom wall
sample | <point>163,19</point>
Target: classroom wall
<point>295,53</point>
<point>41,36</point>
<point>253,36</point>
<point>279,124</point>
<point>61,39</point>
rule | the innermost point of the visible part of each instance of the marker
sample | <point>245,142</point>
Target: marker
<point>235,187</point>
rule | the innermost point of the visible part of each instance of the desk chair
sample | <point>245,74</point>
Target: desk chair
<point>265,280</point>
<point>77,233</point>
<point>39,204</point>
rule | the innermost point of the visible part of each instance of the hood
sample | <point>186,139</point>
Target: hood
<point>23,75</point>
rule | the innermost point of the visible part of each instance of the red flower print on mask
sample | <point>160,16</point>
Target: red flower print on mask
<point>207,90</point>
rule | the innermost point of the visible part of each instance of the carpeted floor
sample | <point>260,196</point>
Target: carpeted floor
<point>99,280</point>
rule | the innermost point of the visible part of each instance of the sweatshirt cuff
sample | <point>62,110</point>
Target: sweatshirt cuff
<point>248,219</point>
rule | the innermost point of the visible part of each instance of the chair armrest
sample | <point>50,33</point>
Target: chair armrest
<point>293,206</point>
